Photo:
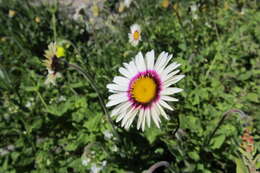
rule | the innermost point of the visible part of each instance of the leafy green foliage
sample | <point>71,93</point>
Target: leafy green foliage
<point>57,128</point>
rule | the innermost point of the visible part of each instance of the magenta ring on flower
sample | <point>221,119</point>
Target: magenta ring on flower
<point>144,90</point>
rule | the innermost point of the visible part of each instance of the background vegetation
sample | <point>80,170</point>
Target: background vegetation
<point>63,128</point>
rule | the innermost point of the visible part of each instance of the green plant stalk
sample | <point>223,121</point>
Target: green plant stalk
<point>93,85</point>
<point>54,27</point>
<point>42,100</point>
<point>225,115</point>
<point>54,21</point>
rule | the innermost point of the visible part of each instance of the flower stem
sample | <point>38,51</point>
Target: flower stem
<point>225,115</point>
<point>93,85</point>
<point>42,100</point>
<point>157,165</point>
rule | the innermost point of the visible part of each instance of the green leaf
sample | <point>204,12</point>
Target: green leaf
<point>253,97</point>
<point>241,168</point>
<point>152,133</point>
<point>216,142</point>
<point>194,155</point>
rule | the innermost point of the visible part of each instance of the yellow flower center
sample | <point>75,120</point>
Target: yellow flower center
<point>136,35</point>
<point>144,89</point>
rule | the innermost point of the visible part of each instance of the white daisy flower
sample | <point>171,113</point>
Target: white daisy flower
<point>85,162</point>
<point>52,64</point>
<point>51,78</point>
<point>108,135</point>
<point>135,34</point>
<point>127,3</point>
<point>144,89</point>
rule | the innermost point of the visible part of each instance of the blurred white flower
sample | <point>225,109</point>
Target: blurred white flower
<point>104,163</point>
<point>52,76</point>
<point>193,7</point>
<point>28,104</point>
<point>95,169</point>
<point>85,162</point>
<point>62,98</point>
<point>108,134</point>
<point>135,34</point>
<point>3,152</point>
<point>127,3</point>
<point>114,148</point>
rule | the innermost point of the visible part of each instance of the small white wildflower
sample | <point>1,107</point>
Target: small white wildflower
<point>114,148</point>
<point>127,3</point>
<point>28,104</point>
<point>62,98</point>
<point>193,7</point>
<point>135,34</point>
<point>107,134</point>
<point>104,163</point>
<point>10,147</point>
<point>95,169</point>
<point>51,78</point>
<point>3,151</point>
<point>85,162</point>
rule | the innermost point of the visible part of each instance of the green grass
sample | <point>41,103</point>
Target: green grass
<point>54,128</point>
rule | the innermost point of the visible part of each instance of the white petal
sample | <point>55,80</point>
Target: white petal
<point>117,95</point>
<point>168,98</point>
<point>131,119</point>
<point>148,117</point>
<point>166,58</point>
<point>132,68</point>
<point>162,111</point>
<point>117,87</point>
<point>160,61</point>
<point>116,101</point>
<point>120,117</point>
<point>121,81</point>
<point>135,27</point>
<point>149,57</point>
<point>173,80</point>
<point>127,116</point>
<point>120,108</point>
<point>143,121</point>
<point>165,105</point>
<point>139,61</point>
<point>125,72</point>
<point>155,117</point>
<point>170,75</point>
<point>140,118</point>
<point>171,67</point>
<point>170,91</point>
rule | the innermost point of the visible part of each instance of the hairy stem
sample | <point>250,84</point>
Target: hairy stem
<point>157,165</point>
<point>225,115</point>
<point>93,85</point>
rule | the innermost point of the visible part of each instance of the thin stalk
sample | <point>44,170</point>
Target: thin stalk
<point>157,165</point>
<point>93,85</point>
<point>181,24</point>
<point>54,21</point>
<point>41,98</point>
<point>178,125</point>
<point>54,27</point>
<point>225,115</point>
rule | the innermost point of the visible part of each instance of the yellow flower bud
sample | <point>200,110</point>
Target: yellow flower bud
<point>165,3</point>
<point>11,13</point>
<point>37,19</point>
<point>60,51</point>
